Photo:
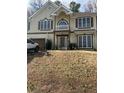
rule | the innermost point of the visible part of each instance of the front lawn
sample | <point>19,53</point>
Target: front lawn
<point>62,72</point>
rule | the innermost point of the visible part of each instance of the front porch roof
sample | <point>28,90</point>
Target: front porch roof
<point>60,9</point>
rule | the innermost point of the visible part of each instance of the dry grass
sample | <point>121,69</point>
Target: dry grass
<point>62,72</point>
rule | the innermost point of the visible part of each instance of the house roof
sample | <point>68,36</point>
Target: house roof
<point>85,13</point>
<point>54,13</point>
<point>68,11</point>
<point>49,1</point>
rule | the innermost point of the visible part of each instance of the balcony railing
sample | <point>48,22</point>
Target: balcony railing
<point>62,27</point>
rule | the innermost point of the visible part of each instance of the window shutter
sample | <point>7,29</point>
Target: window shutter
<point>76,23</point>
<point>39,25</point>
<point>51,24</point>
<point>92,22</point>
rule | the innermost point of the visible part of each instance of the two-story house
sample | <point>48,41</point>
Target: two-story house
<point>63,27</point>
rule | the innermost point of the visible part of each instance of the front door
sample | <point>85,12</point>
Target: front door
<point>62,42</point>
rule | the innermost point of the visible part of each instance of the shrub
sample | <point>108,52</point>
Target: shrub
<point>72,46</point>
<point>49,44</point>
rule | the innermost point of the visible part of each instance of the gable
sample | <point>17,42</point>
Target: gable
<point>49,6</point>
<point>60,9</point>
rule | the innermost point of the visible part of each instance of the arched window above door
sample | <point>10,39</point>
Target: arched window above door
<point>62,22</point>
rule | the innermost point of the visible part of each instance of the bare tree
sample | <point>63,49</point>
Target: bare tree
<point>95,6</point>
<point>29,12</point>
<point>90,6</point>
<point>34,5</point>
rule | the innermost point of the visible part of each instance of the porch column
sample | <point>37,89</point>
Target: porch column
<point>54,31</point>
<point>69,32</point>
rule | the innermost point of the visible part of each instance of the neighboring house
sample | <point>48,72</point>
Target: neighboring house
<point>63,27</point>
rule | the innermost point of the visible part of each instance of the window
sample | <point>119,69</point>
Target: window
<point>88,22</point>
<point>80,41</point>
<point>45,24</point>
<point>28,25</point>
<point>84,22</point>
<point>85,41</point>
<point>80,23</point>
<point>62,24</point>
<point>89,41</point>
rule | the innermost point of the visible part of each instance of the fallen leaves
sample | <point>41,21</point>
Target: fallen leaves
<point>74,72</point>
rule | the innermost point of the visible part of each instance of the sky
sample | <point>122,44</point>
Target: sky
<point>66,2</point>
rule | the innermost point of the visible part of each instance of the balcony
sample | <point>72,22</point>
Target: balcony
<point>62,27</point>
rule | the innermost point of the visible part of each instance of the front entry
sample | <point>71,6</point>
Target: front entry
<point>62,42</point>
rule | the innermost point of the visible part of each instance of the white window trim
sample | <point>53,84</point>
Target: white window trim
<point>86,41</point>
<point>47,28</point>
<point>61,21</point>
<point>82,22</point>
<point>50,24</point>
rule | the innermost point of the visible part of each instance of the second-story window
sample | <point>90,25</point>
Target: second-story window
<point>62,24</point>
<point>84,22</point>
<point>45,25</point>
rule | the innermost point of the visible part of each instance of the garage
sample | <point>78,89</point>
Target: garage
<point>41,43</point>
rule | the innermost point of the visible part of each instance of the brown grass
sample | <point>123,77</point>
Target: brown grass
<point>62,72</point>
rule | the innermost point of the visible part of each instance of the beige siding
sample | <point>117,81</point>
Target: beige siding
<point>73,20</point>
<point>95,41</point>
<point>73,38</point>
<point>85,32</point>
<point>46,13</point>
<point>62,15</point>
